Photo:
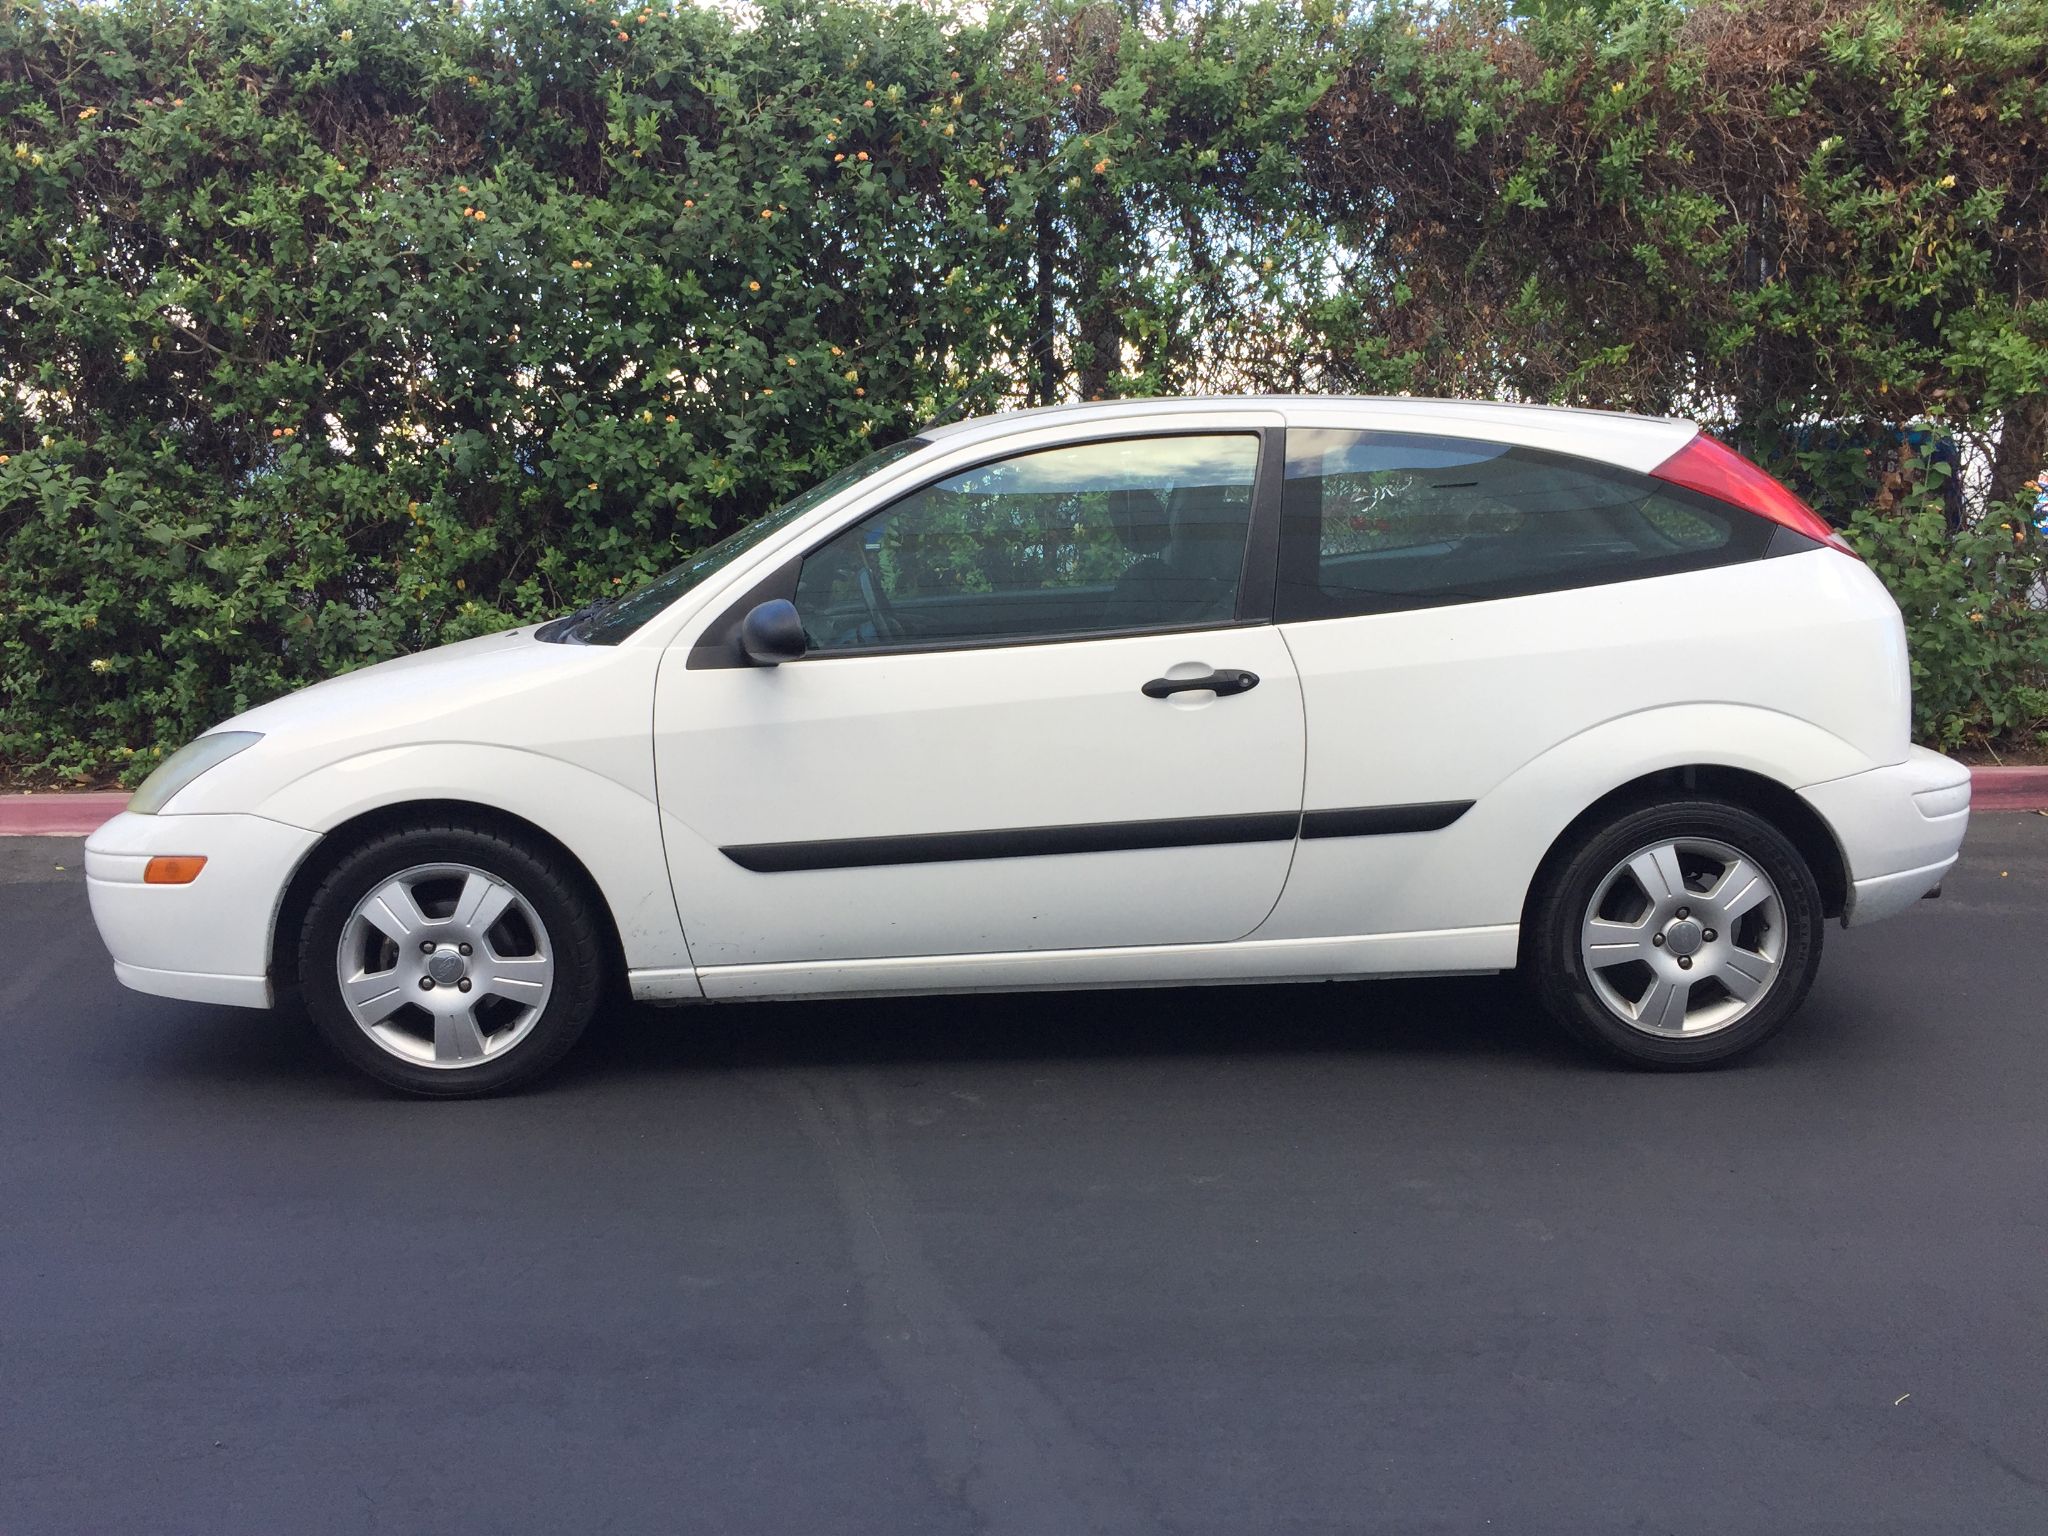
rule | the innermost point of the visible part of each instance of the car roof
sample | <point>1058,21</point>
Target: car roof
<point>1637,441</point>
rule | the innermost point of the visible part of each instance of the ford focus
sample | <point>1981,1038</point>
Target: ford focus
<point>1107,695</point>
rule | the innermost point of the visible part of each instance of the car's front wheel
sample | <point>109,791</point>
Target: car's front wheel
<point>450,960</point>
<point>1677,935</point>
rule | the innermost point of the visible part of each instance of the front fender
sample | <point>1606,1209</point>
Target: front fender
<point>613,831</point>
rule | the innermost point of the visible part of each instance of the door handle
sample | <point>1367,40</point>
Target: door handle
<point>1222,684</point>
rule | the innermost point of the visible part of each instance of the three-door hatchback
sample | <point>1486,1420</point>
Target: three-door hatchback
<point>1169,691</point>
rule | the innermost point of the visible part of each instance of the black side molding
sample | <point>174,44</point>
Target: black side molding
<point>1379,820</point>
<point>1014,842</point>
<point>1092,837</point>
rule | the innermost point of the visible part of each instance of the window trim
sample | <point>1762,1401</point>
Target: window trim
<point>717,644</point>
<point>1290,562</point>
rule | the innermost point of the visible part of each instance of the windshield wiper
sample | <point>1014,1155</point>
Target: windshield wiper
<point>567,629</point>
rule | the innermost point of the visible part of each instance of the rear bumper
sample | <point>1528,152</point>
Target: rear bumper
<point>1900,829</point>
<point>206,942</point>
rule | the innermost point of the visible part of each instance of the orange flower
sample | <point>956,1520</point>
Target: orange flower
<point>480,215</point>
<point>767,213</point>
<point>862,155</point>
<point>767,391</point>
<point>1101,166</point>
<point>837,158</point>
<point>753,287</point>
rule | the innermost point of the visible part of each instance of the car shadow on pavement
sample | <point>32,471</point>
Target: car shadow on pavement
<point>1467,1016</point>
<point>1479,1018</point>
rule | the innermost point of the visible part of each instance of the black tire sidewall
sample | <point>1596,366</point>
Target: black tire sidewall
<point>557,898</point>
<point>1559,907</point>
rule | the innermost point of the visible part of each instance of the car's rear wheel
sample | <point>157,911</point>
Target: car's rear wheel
<point>1676,935</point>
<point>451,960</point>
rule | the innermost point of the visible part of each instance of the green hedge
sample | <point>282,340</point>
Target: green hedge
<point>334,329</point>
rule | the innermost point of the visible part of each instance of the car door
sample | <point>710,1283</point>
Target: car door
<point>1042,707</point>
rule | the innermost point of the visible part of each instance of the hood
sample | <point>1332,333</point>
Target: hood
<point>433,685</point>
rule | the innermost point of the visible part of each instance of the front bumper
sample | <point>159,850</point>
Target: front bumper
<point>207,942</point>
<point>1900,829</point>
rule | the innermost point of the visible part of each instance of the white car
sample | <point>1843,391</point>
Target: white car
<point>1139,693</point>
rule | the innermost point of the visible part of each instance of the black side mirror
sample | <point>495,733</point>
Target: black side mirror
<point>772,633</point>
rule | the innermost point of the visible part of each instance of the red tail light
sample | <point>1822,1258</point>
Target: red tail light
<point>1714,469</point>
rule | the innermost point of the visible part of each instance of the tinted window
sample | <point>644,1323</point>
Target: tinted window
<point>1142,533</point>
<point>1375,521</point>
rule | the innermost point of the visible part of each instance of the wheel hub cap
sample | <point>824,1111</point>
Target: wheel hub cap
<point>447,966</point>
<point>1682,937</point>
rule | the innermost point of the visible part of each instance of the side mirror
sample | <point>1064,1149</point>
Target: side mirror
<point>772,633</point>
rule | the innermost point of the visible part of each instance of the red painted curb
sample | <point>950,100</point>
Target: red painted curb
<point>2009,789</point>
<point>60,815</point>
<point>79,815</point>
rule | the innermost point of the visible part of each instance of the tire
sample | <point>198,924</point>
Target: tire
<point>1655,989</point>
<point>505,932</point>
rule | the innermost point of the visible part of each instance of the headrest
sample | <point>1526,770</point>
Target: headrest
<point>1208,528</point>
<point>1139,518</point>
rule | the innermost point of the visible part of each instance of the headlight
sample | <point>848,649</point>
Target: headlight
<point>186,764</point>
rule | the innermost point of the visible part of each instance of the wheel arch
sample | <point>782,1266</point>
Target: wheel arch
<point>1774,801</point>
<point>336,844</point>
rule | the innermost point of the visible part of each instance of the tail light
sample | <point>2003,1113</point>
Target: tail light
<point>1714,469</point>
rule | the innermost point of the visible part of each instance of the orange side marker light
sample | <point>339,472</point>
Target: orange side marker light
<point>173,869</point>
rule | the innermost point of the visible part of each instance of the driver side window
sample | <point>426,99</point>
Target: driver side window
<point>1140,533</point>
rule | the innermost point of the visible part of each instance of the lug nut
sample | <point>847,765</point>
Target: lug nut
<point>462,985</point>
<point>1685,911</point>
<point>1657,939</point>
<point>427,947</point>
<point>1709,935</point>
<point>465,949</point>
<point>426,983</point>
<point>1685,962</point>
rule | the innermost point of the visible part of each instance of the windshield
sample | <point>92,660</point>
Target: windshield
<point>609,623</point>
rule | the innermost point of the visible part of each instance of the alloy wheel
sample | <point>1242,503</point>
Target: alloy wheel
<point>1683,938</point>
<point>445,965</point>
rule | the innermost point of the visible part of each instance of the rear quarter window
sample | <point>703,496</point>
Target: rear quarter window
<point>1375,522</point>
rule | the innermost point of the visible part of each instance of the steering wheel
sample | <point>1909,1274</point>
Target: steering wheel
<point>880,613</point>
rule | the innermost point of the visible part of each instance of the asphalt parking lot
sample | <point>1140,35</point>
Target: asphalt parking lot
<point>1379,1257</point>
